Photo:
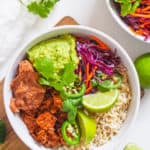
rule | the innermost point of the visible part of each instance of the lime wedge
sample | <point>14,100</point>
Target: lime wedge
<point>87,126</point>
<point>132,147</point>
<point>100,101</point>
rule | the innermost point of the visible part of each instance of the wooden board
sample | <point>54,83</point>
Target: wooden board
<point>12,141</point>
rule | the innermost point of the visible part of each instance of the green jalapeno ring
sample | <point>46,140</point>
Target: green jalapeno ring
<point>76,136</point>
<point>108,84</point>
<point>79,94</point>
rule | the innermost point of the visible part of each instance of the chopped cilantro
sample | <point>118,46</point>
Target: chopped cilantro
<point>41,7</point>
<point>128,6</point>
<point>45,67</point>
<point>71,109</point>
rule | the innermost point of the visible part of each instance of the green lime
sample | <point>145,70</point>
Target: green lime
<point>87,126</point>
<point>100,101</point>
<point>142,65</point>
<point>2,132</point>
<point>132,147</point>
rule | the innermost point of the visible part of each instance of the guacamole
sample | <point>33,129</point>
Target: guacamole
<point>50,57</point>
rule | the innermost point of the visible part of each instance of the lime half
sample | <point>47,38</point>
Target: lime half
<point>132,147</point>
<point>142,64</point>
<point>88,127</point>
<point>100,101</point>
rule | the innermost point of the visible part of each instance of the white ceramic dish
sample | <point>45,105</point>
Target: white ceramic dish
<point>18,125</point>
<point>113,11</point>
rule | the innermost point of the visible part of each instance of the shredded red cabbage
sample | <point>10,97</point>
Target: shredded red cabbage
<point>89,51</point>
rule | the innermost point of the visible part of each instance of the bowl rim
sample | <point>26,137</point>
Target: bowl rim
<point>123,25</point>
<point>73,27</point>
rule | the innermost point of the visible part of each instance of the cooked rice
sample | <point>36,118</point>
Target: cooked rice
<point>109,123</point>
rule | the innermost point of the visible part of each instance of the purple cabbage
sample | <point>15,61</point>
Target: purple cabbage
<point>105,60</point>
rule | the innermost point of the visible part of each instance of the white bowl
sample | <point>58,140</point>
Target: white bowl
<point>114,12</point>
<point>18,125</point>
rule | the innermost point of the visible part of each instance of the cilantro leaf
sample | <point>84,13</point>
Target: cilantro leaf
<point>68,75</point>
<point>125,8</point>
<point>41,7</point>
<point>43,81</point>
<point>128,6</point>
<point>135,6</point>
<point>56,85</point>
<point>71,109</point>
<point>45,67</point>
<point>72,114</point>
<point>67,106</point>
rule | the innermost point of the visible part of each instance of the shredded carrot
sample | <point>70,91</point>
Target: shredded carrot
<point>89,88</point>
<point>87,72</point>
<point>99,42</point>
<point>141,15</point>
<point>80,74</point>
<point>92,72</point>
<point>89,76</point>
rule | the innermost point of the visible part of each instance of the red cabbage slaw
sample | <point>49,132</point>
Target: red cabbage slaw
<point>92,53</point>
<point>95,56</point>
<point>139,21</point>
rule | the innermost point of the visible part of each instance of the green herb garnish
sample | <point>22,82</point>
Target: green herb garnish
<point>67,77</point>
<point>128,6</point>
<point>2,131</point>
<point>41,7</point>
<point>72,102</point>
<point>70,109</point>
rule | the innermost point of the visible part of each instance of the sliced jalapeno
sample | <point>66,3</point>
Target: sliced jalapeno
<point>79,94</point>
<point>71,133</point>
<point>110,84</point>
<point>106,85</point>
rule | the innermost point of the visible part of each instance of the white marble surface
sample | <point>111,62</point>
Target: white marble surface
<point>94,13</point>
<point>14,23</point>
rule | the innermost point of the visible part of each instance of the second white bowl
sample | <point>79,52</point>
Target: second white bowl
<point>114,12</point>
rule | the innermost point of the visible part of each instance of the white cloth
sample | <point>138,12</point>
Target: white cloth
<point>15,21</point>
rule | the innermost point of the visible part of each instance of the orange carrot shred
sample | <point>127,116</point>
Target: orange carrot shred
<point>99,42</point>
<point>80,74</point>
<point>89,76</point>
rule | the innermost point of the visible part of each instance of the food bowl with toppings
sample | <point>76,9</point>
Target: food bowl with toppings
<point>133,16</point>
<point>72,88</point>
